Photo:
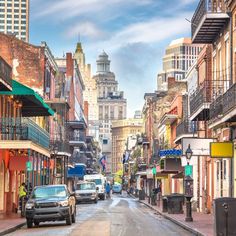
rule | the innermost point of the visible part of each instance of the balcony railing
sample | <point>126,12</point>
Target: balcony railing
<point>208,19</point>
<point>186,127</point>
<point>216,107</point>
<point>57,146</point>
<point>23,129</point>
<point>229,99</point>
<point>5,75</point>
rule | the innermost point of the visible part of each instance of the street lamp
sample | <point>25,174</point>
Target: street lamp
<point>188,154</point>
<point>188,181</point>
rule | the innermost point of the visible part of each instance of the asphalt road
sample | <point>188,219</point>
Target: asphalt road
<point>119,216</point>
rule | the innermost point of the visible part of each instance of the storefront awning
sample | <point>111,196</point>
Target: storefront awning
<point>32,103</point>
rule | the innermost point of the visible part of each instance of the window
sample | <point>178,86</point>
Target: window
<point>9,4</point>
<point>16,27</point>
<point>23,10</point>
<point>23,22</point>
<point>9,16</point>
<point>2,16</point>
<point>23,27</point>
<point>2,10</point>
<point>16,16</point>
<point>9,27</point>
<point>9,10</point>
<point>16,5</point>
<point>16,10</point>
<point>23,5</point>
<point>23,16</point>
<point>16,22</point>
<point>23,33</point>
<point>2,4</point>
<point>2,21</point>
<point>1,26</point>
<point>9,21</point>
<point>23,38</point>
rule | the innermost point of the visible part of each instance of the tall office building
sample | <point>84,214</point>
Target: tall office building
<point>90,92</point>
<point>111,104</point>
<point>14,18</point>
<point>179,57</point>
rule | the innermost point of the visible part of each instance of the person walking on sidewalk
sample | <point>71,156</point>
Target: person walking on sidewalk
<point>108,190</point>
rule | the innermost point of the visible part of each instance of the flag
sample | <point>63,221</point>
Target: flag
<point>103,162</point>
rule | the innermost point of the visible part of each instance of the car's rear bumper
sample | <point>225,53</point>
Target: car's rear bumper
<point>85,198</point>
<point>48,214</point>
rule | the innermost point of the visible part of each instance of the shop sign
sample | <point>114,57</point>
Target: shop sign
<point>222,150</point>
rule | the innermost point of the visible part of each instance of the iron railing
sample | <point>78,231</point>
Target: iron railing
<point>77,135</point>
<point>216,107</point>
<point>186,127</point>
<point>204,7</point>
<point>59,146</point>
<point>23,129</point>
<point>5,72</point>
<point>229,99</point>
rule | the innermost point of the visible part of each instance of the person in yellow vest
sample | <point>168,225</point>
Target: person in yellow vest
<point>22,191</point>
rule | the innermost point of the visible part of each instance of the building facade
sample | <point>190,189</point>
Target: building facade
<point>178,58</point>
<point>14,18</point>
<point>111,104</point>
<point>121,131</point>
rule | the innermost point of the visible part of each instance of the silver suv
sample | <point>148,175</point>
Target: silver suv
<point>86,191</point>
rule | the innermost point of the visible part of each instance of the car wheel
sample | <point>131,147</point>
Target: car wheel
<point>74,216</point>
<point>69,219</point>
<point>36,223</point>
<point>29,223</point>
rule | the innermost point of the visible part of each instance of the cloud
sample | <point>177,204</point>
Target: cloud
<point>150,31</point>
<point>88,29</point>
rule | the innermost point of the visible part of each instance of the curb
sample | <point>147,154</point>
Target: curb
<point>188,228</point>
<point>12,229</point>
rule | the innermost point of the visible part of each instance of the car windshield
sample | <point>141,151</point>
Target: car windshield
<point>96,181</point>
<point>47,192</point>
<point>87,186</point>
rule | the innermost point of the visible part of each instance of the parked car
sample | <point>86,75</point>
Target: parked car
<point>117,188</point>
<point>86,191</point>
<point>50,203</point>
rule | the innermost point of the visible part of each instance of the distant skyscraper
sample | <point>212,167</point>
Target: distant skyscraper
<point>111,103</point>
<point>14,18</point>
<point>178,58</point>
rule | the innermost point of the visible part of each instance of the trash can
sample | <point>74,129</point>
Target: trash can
<point>164,204</point>
<point>141,194</point>
<point>153,198</point>
<point>224,216</point>
<point>175,203</point>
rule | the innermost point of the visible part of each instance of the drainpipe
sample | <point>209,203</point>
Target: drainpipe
<point>231,189</point>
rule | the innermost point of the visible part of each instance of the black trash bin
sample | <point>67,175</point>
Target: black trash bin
<point>141,194</point>
<point>224,216</point>
<point>175,203</point>
<point>164,204</point>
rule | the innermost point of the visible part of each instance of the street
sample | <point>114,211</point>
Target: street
<point>119,216</point>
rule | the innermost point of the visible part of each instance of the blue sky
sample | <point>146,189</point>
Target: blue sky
<point>134,33</point>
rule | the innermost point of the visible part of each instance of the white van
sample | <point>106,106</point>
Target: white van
<point>100,182</point>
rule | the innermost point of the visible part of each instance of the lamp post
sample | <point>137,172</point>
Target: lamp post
<point>188,186</point>
<point>54,154</point>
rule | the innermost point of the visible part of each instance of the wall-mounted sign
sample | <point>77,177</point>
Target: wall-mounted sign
<point>222,150</point>
<point>170,152</point>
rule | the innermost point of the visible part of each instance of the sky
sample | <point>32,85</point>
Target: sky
<point>134,33</point>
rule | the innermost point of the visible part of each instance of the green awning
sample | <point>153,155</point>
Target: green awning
<point>32,103</point>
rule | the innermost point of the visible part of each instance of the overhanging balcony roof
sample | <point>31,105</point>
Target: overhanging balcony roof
<point>208,21</point>
<point>77,124</point>
<point>32,103</point>
<point>168,119</point>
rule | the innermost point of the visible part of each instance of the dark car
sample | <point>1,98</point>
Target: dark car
<point>50,203</point>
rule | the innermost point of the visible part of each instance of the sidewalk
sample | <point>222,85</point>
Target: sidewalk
<point>10,223</point>
<point>202,223</point>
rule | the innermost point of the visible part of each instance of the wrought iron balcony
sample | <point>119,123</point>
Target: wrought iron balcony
<point>186,129</point>
<point>5,76</point>
<point>229,101</point>
<point>207,21</point>
<point>200,101</point>
<point>58,147</point>
<point>216,108</point>
<point>23,129</point>
<point>77,139</point>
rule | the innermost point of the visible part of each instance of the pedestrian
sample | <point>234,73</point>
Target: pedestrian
<point>22,195</point>
<point>108,190</point>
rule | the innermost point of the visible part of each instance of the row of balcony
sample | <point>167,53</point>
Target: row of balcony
<point>206,104</point>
